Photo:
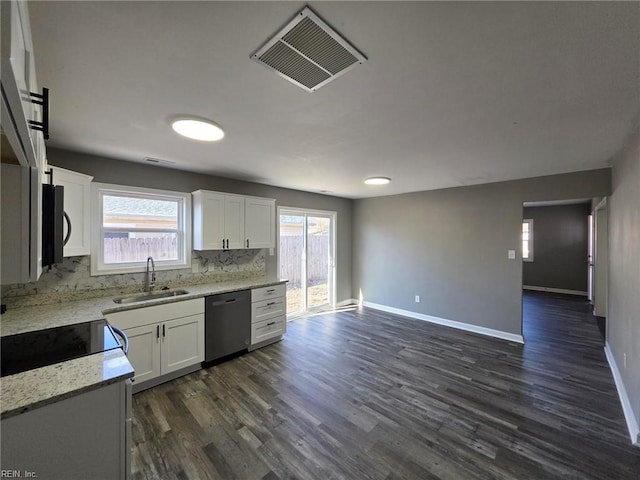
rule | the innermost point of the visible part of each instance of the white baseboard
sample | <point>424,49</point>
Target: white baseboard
<point>449,323</point>
<point>555,290</point>
<point>632,422</point>
<point>347,302</point>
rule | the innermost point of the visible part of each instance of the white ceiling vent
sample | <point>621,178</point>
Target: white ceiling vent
<point>308,52</point>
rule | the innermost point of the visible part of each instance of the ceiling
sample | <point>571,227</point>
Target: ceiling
<point>453,93</point>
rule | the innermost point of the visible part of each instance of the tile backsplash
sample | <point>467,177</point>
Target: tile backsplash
<point>71,279</point>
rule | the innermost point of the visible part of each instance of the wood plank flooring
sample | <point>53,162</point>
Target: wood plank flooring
<point>363,394</point>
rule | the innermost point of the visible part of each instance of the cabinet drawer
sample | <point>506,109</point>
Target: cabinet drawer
<point>273,327</point>
<point>268,292</point>
<point>267,309</point>
<point>156,313</point>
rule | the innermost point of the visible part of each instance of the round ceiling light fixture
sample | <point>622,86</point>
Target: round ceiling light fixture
<point>377,180</point>
<point>197,129</point>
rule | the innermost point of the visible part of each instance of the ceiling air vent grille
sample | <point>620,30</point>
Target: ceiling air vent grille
<point>308,52</point>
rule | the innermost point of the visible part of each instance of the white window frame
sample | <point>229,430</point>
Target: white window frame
<point>530,242</point>
<point>98,267</point>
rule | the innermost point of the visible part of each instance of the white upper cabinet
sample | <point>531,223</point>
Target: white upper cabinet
<point>23,150</point>
<point>234,221</point>
<point>209,234</point>
<point>260,222</point>
<point>20,224</point>
<point>18,84</point>
<point>77,206</point>
<point>223,221</point>
<point>218,221</point>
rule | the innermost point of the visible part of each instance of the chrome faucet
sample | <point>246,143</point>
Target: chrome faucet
<point>149,282</point>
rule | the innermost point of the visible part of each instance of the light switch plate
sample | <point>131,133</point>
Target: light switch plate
<point>512,254</point>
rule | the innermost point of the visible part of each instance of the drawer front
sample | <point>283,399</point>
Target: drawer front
<point>266,309</point>
<point>265,293</point>
<point>156,313</point>
<point>273,327</point>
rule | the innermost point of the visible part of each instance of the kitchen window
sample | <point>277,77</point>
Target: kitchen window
<point>131,224</point>
<point>527,240</point>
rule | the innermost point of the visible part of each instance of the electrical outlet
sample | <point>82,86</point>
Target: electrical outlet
<point>417,298</point>
<point>511,254</point>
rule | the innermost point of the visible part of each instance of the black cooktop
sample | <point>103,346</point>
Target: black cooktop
<point>29,350</point>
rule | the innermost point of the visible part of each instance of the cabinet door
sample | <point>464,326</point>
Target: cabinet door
<point>144,351</point>
<point>77,191</point>
<point>83,436</point>
<point>182,343</point>
<point>21,224</point>
<point>18,79</point>
<point>260,222</point>
<point>208,221</point>
<point>234,221</point>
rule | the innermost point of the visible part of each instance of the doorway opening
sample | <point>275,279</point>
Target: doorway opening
<point>557,243</point>
<point>306,258</point>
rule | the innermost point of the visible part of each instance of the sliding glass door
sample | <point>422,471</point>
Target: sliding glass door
<point>307,244</point>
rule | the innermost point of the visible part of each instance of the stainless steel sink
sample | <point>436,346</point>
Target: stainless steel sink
<point>150,296</point>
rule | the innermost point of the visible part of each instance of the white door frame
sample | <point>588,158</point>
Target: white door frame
<point>590,256</point>
<point>601,260</point>
<point>332,254</point>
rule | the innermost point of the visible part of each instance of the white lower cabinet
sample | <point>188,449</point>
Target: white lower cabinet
<point>86,436</point>
<point>268,315</point>
<point>163,339</point>
<point>144,351</point>
<point>183,344</point>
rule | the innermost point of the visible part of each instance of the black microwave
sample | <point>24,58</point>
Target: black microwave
<point>53,217</point>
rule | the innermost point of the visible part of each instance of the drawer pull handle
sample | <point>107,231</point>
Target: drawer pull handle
<point>270,304</point>
<point>271,323</point>
<point>271,290</point>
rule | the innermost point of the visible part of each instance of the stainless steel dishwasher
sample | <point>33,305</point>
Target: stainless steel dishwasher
<point>227,324</point>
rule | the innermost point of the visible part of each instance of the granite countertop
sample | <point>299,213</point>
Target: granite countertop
<point>26,319</point>
<point>41,386</point>
<point>34,388</point>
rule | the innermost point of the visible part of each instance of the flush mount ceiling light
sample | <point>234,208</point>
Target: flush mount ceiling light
<point>377,180</point>
<point>197,129</point>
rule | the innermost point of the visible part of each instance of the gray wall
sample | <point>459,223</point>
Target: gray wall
<point>623,306</point>
<point>450,247</point>
<point>560,247</point>
<point>108,170</point>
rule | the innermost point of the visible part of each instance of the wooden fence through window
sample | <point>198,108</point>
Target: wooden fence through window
<point>317,259</point>
<point>123,250</point>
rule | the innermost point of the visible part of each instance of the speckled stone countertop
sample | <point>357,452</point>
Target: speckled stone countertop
<point>41,386</point>
<point>34,388</point>
<point>39,317</point>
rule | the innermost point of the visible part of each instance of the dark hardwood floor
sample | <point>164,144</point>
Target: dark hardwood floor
<point>363,394</point>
